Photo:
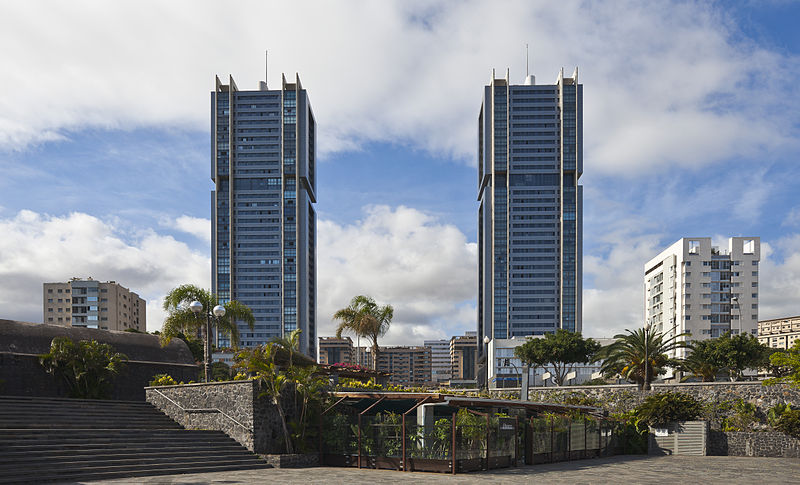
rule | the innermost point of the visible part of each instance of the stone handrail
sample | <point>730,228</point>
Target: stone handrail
<point>201,410</point>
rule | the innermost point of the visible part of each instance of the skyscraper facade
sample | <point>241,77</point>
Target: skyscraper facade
<point>263,164</point>
<point>530,144</point>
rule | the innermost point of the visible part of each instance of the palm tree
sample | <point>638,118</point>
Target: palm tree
<point>365,318</point>
<point>639,355</point>
<point>261,362</point>
<point>182,319</point>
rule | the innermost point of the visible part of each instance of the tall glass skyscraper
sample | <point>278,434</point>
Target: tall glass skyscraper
<point>263,230</point>
<point>530,144</point>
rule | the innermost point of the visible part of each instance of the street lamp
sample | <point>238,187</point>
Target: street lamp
<point>218,312</point>
<point>735,301</point>
<point>646,386</point>
<point>486,341</point>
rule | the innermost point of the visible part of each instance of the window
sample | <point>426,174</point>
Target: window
<point>755,284</point>
<point>755,273</point>
<point>49,319</point>
<point>49,290</point>
<point>754,295</point>
<point>706,273</point>
<point>49,300</point>
<point>688,317</point>
<point>754,306</point>
<point>755,263</point>
<point>49,309</point>
<point>59,290</point>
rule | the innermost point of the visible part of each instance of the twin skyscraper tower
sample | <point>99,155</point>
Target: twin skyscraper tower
<point>263,164</point>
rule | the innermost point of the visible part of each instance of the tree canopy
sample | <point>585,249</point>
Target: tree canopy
<point>560,350</point>
<point>726,355</point>
<point>789,360</point>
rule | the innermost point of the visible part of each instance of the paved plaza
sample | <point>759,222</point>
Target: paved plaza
<point>618,469</point>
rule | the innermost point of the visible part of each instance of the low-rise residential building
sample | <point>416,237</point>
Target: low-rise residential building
<point>440,360</point>
<point>93,304</point>
<point>333,350</point>
<point>408,366</point>
<point>779,333</point>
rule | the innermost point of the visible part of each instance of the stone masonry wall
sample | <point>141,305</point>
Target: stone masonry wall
<point>232,407</point>
<point>617,398</point>
<point>740,443</point>
<point>200,402</point>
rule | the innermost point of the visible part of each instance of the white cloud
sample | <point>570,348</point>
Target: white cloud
<point>779,278</point>
<point>37,248</point>
<point>196,226</point>
<point>666,83</point>
<point>423,268</point>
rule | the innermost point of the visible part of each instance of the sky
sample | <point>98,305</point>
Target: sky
<point>691,123</point>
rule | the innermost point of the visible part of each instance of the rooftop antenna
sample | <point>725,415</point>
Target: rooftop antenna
<point>529,80</point>
<point>266,66</point>
<point>527,61</point>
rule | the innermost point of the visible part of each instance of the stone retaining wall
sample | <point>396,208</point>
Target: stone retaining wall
<point>232,407</point>
<point>739,443</point>
<point>618,398</point>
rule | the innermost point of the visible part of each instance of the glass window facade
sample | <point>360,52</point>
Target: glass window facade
<point>530,215</point>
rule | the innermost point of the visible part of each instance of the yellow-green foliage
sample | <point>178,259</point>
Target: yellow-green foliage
<point>163,380</point>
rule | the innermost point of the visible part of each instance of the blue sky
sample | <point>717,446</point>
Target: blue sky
<point>690,120</point>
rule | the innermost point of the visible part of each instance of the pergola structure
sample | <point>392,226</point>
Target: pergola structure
<point>455,433</point>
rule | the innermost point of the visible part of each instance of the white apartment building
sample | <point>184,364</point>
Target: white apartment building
<point>441,367</point>
<point>698,288</point>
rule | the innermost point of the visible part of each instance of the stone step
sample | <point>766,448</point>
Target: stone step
<point>116,452</point>
<point>42,476</point>
<point>99,463</point>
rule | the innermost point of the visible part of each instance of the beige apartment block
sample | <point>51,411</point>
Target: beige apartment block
<point>334,350</point>
<point>704,290</point>
<point>93,304</point>
<point>408,366</point>
<point>779,333</point>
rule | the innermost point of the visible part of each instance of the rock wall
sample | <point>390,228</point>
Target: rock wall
<point>766,444</point>
<point>233,407</point>
<point>618,398</point>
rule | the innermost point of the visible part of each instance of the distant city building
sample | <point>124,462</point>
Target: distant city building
<point>463,352</point>
<point>93,304</point>
<point>408,366</point>
<point>779,333</point>
<point>698,288</point>
<point>441,368</point>
<point>263,249</point>
<point>334,350</point>
<point>530,229</point>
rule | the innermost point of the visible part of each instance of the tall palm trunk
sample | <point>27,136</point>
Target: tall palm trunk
<point>286,436</point>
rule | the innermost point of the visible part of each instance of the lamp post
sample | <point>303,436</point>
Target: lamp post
<point>218,312</point>
<point>486,341</point>
<point>735,301</point>
<point>646,385</point>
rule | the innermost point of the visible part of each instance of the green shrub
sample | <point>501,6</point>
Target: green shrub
<point>789,422</point>
<point>742,418</point>
<point>87,367</point>
<point>163,380</point>
<point>659,409</point>
<point>775,413</point>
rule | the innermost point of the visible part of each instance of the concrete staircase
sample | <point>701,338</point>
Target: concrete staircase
<point>66,440</point>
